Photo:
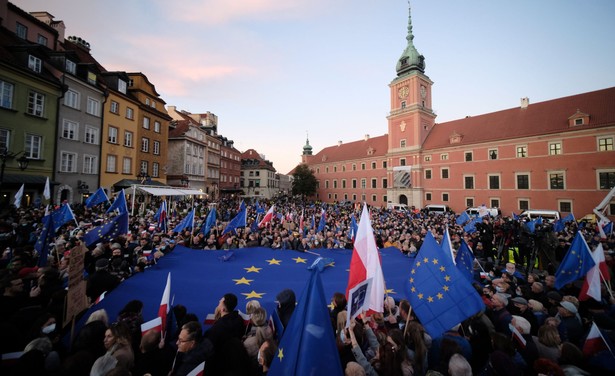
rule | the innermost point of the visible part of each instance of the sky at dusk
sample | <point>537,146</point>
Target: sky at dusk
<point>274,71</point>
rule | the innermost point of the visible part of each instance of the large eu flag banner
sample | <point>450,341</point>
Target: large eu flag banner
<point>201,278</point>
<point>577,262</point>
<point>439,294</point>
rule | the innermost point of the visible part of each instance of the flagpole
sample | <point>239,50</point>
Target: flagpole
<point>606,283</point>
<point>134,193</point>
<point>605,342</point>
<point>407,320</point>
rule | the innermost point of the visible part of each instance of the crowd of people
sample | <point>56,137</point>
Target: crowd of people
<point>515,276</point>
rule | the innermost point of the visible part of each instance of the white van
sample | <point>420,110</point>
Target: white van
<point>397,207</point>
<point>546,215</point>
<point>437,209</point>
<point>493,212</point>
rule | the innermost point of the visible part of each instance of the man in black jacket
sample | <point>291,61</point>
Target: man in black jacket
<point>228,327</point>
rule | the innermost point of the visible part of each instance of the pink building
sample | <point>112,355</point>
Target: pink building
<point>556,155</point>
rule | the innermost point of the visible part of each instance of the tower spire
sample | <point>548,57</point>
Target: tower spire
<point>410,59</point>
<point>307,148</point>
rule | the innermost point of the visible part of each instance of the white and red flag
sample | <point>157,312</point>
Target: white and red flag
<point>267,218</point>
<point>365,264</point>
<point>198,370</point>
<point>155,324</point>
<point>591,285</point>
<point>165,305</point>
<point>594,342</point>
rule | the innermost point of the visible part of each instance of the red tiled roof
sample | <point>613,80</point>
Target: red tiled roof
<point>352,150</point>
<point>537,119</point>
<point>253,154</point>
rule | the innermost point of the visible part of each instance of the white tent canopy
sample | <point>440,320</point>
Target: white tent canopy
<point>169,191</point>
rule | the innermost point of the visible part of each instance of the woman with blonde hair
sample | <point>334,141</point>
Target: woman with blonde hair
<point>259,333</point>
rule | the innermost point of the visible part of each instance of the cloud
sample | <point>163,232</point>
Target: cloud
<point>216,12</point>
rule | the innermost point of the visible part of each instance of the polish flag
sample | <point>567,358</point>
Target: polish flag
<point>155,324</point>
<point>594,342</point>
<point>165,306</point>
<point>365,263</point>
<point>601,230</point>
<point>267,218</point>
<point>198,370</point>
<point>591,286</point>
<point>100,298</point>
<point>210,319</point>
<point>517,336</point>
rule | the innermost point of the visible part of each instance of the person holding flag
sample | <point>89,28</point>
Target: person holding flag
<point>365,264</point>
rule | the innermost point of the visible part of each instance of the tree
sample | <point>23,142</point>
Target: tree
<point>304,182</point>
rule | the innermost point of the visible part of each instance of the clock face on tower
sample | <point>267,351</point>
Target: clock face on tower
<point>403,92</point>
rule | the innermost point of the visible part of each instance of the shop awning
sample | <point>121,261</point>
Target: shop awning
<point>170,191</point>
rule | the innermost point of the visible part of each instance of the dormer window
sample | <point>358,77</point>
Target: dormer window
<point>121,86</point>
<point>34,63</point>
<point>579,118</point>
<point>92,78</point>
<point>71,67</point>
<point>455,138</point>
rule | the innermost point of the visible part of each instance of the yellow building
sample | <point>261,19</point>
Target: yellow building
<point>120,132</point>
<point>152,127</point>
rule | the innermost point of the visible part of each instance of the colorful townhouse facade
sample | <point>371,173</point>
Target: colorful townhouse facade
<point>555,155</point>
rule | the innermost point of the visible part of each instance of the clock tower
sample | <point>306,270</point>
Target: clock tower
<point>409,122</point>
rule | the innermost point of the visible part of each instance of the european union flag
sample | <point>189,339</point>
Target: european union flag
<point>577,262</point>
<point>322,222</point>
<point>119,204</point>
<point>531,226</point>
<point>559,226</point>
<point>447,246</point>
<point>463,218</point>
<point>308,346</point>
<point>210,221</point>
<point>439,294</point>
<point>353,228</point>
<point>465,261</point>
<point>471,226</point>
<point>46,237</point>
<point>62,216</point>
<point>608,229</point>
<point>187,222</point>
<point>109,231</point>
<point>569,218</point>
<point>97,198</point>
<point>238,221</point>
<point>515,216</point>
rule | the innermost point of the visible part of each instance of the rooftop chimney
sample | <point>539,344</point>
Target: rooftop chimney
<point>525,101</point>
<point>339,143</point>
<point>366,137</point>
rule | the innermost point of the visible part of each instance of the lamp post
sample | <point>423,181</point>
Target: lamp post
<point>6,155</point>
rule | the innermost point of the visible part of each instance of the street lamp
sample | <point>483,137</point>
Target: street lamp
<point>143,176</point>
<point>6,155</point>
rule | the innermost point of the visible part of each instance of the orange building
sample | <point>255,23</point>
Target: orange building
<point>556,155</point>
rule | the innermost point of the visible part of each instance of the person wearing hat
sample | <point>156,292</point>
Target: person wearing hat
<point>568,315</point>
<point>100,281</point>
<point>553,299</point>
<point>520,308</point>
